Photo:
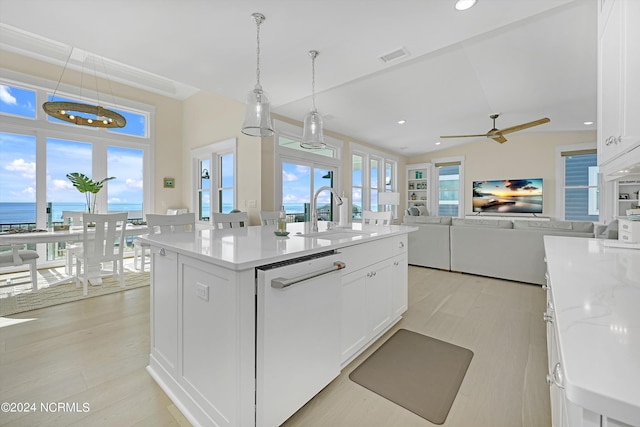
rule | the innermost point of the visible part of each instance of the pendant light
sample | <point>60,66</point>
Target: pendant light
<point>312,137</point>
<point>82,113</point>
<point>257,119</point>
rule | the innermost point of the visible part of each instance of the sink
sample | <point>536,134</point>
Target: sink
<point>335,234</point>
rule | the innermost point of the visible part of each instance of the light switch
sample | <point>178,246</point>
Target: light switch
<point>202,291</point>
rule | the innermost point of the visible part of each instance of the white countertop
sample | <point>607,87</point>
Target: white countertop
<point>596,293</point>
<point>249,247</point>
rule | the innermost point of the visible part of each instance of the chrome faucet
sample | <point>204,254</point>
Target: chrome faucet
<point>314,209</point>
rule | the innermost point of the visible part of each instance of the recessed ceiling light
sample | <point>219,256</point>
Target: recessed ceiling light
<point>588,123</point>
<point>438,143</point>
<point>465,4</point>
<point>401,122</point>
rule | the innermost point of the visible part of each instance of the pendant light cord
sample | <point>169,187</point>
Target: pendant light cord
<point>313,54</point>
<point>258,22</point>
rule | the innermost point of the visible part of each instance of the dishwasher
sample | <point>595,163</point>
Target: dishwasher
<point>297,333</point>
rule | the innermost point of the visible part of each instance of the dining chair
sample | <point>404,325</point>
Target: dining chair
<point>140,258</point>
<point>230,220</point>
<point>269,218</point>
<point>13,256</point>
<point>103,242</point>
<point>376,218</point>
<point>171,223</point>
<point>71,219</point>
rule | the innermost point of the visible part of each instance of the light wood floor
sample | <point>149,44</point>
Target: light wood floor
<point>96,351</point>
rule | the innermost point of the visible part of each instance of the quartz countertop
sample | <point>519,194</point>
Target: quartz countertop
<point>249,247</point>
<point>596,295</point>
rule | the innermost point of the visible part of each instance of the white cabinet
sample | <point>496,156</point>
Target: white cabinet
<point>366,306</point>
<point>417,184</point>
<point>374,292</point>
<point>618,78</point>
<point>400,277</point>
<point>164,308</point>
<point>627,196</point>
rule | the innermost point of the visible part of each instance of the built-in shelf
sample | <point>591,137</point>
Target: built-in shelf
<point>417,185</point>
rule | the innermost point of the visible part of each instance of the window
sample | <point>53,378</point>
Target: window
<point>449,194</point>
<point>302,172</point>
<point>226,188</point>
<point>449,178</point>
<point>17,101</point>
<point>372,172</point>
<point>35,198</point>
<point>580,192</point>
<point>214,178</point>
<point>17,181</point>
<point>356,186</point>
<point>125,194</point>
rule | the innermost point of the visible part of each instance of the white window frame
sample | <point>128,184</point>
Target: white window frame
<point>212,152</point>
<point>434,184</point>
<point>383,158</point>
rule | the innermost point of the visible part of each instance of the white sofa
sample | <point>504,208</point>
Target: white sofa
<point>430,245</point>
<point>512,250</point>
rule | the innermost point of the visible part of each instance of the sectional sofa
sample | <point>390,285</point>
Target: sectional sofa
<point>505,249</point>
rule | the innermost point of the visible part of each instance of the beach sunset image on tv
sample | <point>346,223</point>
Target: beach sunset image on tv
<point>508,196</point>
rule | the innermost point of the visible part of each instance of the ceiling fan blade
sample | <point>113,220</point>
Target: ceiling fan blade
<point>463,136</point>
<point>498,138</point>
<point>524,126</point>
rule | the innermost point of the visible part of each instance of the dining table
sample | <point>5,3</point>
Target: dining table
<point>69,234</point>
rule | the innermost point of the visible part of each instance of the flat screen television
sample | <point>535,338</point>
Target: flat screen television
<point>508,196</point>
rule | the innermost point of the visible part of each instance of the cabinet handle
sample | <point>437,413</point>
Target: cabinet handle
<point>396,263</point>
<point>556,376</point>
<point>401,244</point>
<point>162,252</point>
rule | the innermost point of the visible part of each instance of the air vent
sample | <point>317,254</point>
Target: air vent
<point>395,55</point>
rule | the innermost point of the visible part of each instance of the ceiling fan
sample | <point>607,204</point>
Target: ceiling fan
<point>498,134</point>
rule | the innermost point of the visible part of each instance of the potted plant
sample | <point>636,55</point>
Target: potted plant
<point>88,186</point>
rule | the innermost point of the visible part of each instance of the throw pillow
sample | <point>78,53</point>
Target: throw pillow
<point>423,210</point>
<point>414,211</point>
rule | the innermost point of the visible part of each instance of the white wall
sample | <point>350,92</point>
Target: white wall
<point>524,155</point>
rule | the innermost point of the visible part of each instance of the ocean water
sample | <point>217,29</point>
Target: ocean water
<point>12,213</point>
<point>21,213</point>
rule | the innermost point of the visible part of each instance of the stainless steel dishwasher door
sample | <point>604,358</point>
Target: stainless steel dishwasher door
<point>298,335</point>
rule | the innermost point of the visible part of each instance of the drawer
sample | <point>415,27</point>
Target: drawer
<point>629,231</point>
<point>626,236</point>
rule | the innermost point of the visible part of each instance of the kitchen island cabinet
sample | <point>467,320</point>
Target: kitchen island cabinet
<point>593,332</point>
<point>211,350</point>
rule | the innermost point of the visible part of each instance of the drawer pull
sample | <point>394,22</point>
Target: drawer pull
<point>556,376</point>
<point>162,252</point>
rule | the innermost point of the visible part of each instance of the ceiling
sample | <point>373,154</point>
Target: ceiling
<point>524,59</point>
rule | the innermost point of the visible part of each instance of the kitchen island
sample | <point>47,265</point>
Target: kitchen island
<point>247,326</point>
<point>593,332</point>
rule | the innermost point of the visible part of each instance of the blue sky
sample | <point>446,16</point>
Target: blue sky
<point>18,159</point>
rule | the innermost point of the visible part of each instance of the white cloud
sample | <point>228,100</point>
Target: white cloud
<point>289,177</point>
<point>61,184</point>
<point>27,169</point>
<point>6,97</point>
<point>114,200</point>
<point>133,183</point>
<point>30,191</point>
